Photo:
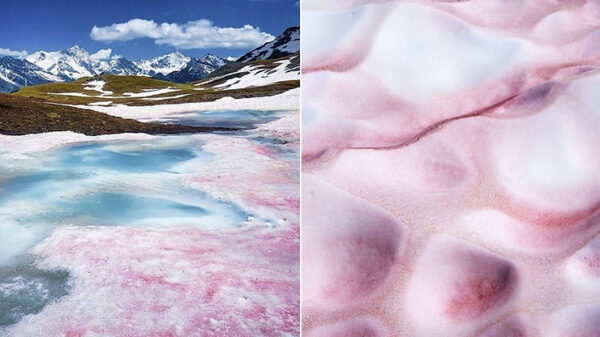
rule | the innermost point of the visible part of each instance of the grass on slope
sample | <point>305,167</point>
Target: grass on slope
<point>20,116</point>
<point>208,95</point>
<point>45,90</point>
<point>121,84</point>
<point>117,84</point>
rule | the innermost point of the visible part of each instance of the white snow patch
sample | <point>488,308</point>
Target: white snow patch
<point>150,92</point>
<point>258,76</point>
<point>289,100</point>
<point>6,79</point>
<point>17,147</point>
<point>77,94</point>
<point>97,86</point>
<point>100,103</point>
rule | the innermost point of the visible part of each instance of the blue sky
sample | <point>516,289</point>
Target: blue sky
<point>195,27</point>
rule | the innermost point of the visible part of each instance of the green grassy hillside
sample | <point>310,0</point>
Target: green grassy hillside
<point>117,84</point>
<point>136,84</point>
<point>20,116</point>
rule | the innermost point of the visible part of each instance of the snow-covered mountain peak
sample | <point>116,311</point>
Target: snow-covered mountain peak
<point>195,69</point>
<point>68,64</point>
<point>285,44</point>
<point>174,57</point>
<point>207,63</point>
<point>16,73</point>
<point>177,54</point>
<point>212,58</point>
<point>38,55</point>
<point>163,64</point>
<point>76,51</point>
<point>75,62</point>
<point>42,56</point>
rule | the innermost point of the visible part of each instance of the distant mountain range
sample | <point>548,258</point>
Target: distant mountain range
<point>15,73</point>
<point>195,69</point>
<point>75,62</point>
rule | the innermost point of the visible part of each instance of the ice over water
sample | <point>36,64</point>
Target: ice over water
<point>473,129</point>
<point>139,235</point>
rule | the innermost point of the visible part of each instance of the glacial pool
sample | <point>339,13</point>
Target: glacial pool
<point>245,119</point>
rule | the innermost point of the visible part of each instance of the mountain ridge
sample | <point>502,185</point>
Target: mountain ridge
<point>16,73</point>
<point>75,62</point>
<point>285,44</point>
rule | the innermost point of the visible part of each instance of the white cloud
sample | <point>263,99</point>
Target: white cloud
<point>13,53</point>
<point>193,34</point>
<point>101,54</point>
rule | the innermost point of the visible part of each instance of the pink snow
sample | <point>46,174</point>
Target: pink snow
<point>451,177</point>
<point>252,176</point>
<point>181,281</point>
<point>172,282</point>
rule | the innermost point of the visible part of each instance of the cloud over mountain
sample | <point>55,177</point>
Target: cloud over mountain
<point>13,53</point>
<point>193,34</point>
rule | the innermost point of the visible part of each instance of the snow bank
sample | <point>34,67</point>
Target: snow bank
<point>77,94</point>
<point>151,92</point>
<point>163,98</point>
<point>14,147</point>
<point>289,100</point>
<point>100,103</point>
<point>99,85</point>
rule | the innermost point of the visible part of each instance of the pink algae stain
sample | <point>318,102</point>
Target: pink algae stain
<point>588,258</point>
<point>75,333</point>
<point>593,264</point>
<point>342,62</point>
<point>166,334</point>
<point>470,293</point>
<point>285,203</point>
<point>547,220</point>
<point>478,290</point>
<point>265,151</point>
<point>364,267</point>
<point>239,283</point>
